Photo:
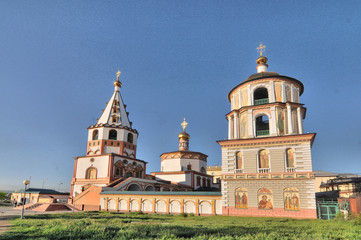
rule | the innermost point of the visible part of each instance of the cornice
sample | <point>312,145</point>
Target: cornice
<point>106,125</point>
<point>272,140</point>
<point>267,105</point>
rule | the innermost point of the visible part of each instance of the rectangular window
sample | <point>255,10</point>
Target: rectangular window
<point>93,143</point>
<point>111,143</point>
<point>90,144</point>
<point>98,143</point>
<point>118,144</point>
<point>106,143</point>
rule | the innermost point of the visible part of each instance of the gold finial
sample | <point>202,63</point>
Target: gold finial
<point>184,125</point>
<point>118,74</point>
<point>261,49</point>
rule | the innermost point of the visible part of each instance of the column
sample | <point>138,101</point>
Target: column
<point>106,204</point>
<point>182,206</point>
<point>167,207</point>
<point>140,205</point>
<point>289,119</point>
<point>128,205</point>
<point>250,124</point>
<point>240,98</point>
<point>235,126</point>
<point>300,126</point>
<point>272,122</point>
<point>197,207</point>
<point>213,207</point>
<point>292,94</point>
<point>283,92</point>
<point>229,127</point>
<point>117,205</point>
<point>250,102</point>
<point>153,207</point>
<point>271,94</point>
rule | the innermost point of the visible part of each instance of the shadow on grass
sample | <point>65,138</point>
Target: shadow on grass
<point>136,232</point>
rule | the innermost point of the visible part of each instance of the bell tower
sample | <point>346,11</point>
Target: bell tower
<point>113,131</point>
<point>267,156</point>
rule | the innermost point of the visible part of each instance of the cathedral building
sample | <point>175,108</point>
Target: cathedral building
<point>266,160</point>
<point>109,175</point>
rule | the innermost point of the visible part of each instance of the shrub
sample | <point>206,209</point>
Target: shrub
<point>191,214</point>
<point>184,215</point>
<point>340,216</point>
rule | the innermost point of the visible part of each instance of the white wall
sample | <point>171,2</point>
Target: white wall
<point>100,163</point>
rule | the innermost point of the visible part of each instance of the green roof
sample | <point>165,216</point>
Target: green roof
<point>162,193</point>
<point>42,191</point>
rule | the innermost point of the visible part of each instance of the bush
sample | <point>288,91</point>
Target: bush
<point>184,215</point>
<point>191,214</point>
<point>340,216</point>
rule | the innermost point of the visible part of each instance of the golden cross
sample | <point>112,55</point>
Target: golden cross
<point>118,74</point>
<point>184,124</point>
<point>261,49</point>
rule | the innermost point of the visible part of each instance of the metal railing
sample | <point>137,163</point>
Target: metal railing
<point>264,170</point>
<point>291,169</point>
<point>239,170</point>
<point>261,101</point>
<point>262,133</point>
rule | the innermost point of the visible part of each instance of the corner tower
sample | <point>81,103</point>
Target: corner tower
<point>266,160</point>
<point>113,132</point>
<point>111,149</point>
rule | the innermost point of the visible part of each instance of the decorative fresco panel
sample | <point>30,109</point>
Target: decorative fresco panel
<point>265,199</point>
<point>292,199</point>
<point>278,90</point>
<point>288,93</point>
<point>290,158</point>
<point>263,159</point>
<point>280,122</point>
<point>241,198</point>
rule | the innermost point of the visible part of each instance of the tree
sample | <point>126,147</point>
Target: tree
<point>3,195</point>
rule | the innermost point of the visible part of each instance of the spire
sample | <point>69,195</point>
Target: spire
<point>114,112</point>
<point>184,137</point>
<point>262,60</point>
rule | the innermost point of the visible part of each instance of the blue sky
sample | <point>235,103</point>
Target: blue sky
<point>58,61</point>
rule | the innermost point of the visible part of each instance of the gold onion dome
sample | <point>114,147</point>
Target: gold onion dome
<point>184,136</point>
<point>117,83</point>
<point>262,59</point>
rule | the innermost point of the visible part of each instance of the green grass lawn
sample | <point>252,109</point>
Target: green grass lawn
<point>104,225</point>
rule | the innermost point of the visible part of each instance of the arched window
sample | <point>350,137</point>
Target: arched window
<point>291,199</point>
<point>128,174</point>
<point>113,134</point>
<point>198,181</point>
<point>119,169</point>
<point>262,126</point>
<point>150,188</point>
<point>95,135</point>
<point>189,167</point>
<point>91,173</point>
<point>290,160</point>
<point>208,182</point>
<point>263,161</point>
<point>265,199</point>
<point>241,195</point>
<point>204,182</point>
<point>260,96</point>
<point>239,163</point>
<point>134,187</point>
<point>130,138</point>
<point>203,170</point>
